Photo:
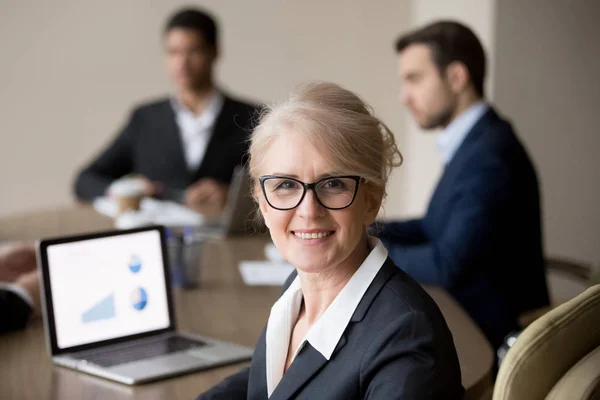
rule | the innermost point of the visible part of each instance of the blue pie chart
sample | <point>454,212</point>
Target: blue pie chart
<point>135,264</point>
<point>139,299</point>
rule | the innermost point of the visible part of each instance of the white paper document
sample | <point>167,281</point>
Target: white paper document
<point>265,273</point>
<point>152,211</point>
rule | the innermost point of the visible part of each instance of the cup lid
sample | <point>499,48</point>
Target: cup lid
<point>127,187</point>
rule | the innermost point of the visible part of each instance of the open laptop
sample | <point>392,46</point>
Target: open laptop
<point>108,309</point>
<point>237,217</point>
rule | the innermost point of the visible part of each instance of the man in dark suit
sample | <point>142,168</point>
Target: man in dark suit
<point>481,238</point>
<point>184,147</point>
<point>19,286</point>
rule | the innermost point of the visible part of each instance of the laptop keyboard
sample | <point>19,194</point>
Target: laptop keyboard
<point>140,351</point>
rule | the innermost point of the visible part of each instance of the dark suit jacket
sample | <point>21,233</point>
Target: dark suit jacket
<point>396,346</point>
<point>481,238</point>
<point>14,311</point>
<point>150,145</point>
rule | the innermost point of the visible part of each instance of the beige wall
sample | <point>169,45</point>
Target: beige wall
<point>547,82</point>
<point>72,70</point>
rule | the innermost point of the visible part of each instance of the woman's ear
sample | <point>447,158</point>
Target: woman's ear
<point>263,208</point>
<point>373,199</point>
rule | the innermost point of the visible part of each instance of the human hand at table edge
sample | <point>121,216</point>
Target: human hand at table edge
<point>16,259</point>
<point>206,196</point>
<point>151,188</point>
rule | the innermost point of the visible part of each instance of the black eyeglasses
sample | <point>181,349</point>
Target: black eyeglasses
<point>333,192</point>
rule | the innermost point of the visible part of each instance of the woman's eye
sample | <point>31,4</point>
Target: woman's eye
<point>335,184</point>
<point>286,185</point>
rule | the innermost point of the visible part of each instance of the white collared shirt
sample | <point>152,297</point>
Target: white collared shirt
<point>196,130</point>
<point>456,132</point>
<point>325,334</point>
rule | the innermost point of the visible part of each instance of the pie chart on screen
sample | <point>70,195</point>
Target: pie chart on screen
<point>135,264</point>
<point>139,299</point>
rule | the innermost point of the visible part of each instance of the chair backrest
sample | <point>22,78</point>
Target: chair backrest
<point>581,382</point>
<point>566,279</point>
<point>549,348</point>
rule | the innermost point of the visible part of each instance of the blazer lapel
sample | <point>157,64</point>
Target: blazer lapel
<point>172,143</point>
<point>471,138</point>
<point>222,128</point>
<point>307,363</point>
<point>384,274</point>
<point>455,166</point>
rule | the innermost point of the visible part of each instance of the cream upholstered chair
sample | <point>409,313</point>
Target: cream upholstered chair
<point>558,356</point>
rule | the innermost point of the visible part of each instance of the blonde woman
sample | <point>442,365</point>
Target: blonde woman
<point>349,324</point>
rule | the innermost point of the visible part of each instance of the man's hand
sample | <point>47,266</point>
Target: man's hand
<point>206,196</point>
<point>16,259</point>
<point>151,188</point>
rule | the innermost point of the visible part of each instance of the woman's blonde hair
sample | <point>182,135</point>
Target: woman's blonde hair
<point>336,121</point>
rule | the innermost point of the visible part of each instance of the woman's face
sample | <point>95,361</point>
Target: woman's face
<point>311,237</point>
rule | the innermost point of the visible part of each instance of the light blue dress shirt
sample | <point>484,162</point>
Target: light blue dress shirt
<point>457,130</point>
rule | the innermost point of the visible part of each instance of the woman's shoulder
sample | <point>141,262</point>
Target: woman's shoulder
<point>397,296</point>
<point>403,322</point>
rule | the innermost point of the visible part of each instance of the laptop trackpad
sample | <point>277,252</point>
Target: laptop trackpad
<point>157,366</point>
<point>220,352</point>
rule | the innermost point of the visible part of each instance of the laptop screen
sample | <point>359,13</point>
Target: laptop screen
<point>108,287</point>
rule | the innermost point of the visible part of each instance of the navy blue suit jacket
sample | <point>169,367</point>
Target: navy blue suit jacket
<point>481,238</point>
<point>396,346</point>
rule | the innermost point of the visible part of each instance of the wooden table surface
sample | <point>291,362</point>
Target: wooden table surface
<point>222,307</point>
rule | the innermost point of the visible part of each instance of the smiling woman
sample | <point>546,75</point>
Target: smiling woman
<point>349,324</point>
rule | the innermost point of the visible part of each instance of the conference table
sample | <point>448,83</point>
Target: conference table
<point>222,307</point>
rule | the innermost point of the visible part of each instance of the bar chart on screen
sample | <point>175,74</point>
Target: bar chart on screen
<point>102,310</point>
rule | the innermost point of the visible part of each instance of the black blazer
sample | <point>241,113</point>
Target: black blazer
<point>396,346</point>
<point>481,238</point>
<point>150,145</point>
<point>14,311</point>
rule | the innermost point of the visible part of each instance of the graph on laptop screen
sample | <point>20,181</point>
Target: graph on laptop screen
<point>107,288</point>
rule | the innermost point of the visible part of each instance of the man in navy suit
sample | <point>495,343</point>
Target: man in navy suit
<point>481,238</point>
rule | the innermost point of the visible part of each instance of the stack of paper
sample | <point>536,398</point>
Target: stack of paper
<point>151,211</point>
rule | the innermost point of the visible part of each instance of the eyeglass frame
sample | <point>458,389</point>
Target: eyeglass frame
<point>309,186</point>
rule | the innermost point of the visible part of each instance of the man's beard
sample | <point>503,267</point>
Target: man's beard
<point>440,120</point>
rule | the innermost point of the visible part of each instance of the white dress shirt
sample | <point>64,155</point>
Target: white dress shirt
<point>456,132</point>
<point>325,334</point>
<point>196,130</point>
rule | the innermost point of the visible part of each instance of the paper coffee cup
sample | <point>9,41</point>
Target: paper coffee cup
<point>128,193</point>
<point>132,219</point>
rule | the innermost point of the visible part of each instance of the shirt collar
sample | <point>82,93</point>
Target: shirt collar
<point>210,113</point>
<point>325,334</point>
<point>456,132</point>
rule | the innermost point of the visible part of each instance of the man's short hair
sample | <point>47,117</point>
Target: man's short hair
<point>197,20</point>
<point>450,41</point>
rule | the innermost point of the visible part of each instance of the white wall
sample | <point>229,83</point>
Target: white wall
<point>72,70</point>
<point>547,82</point>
